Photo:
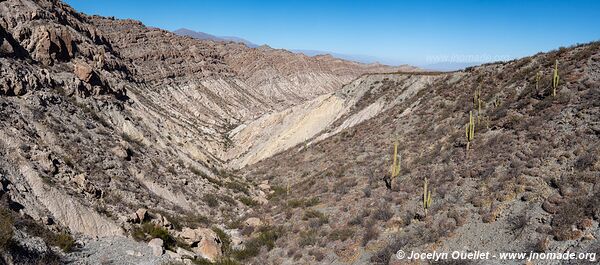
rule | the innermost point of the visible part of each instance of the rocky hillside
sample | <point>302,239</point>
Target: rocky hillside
<point>115,132</point>
<point>527,183</point>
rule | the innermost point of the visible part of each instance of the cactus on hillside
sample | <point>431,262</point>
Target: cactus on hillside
<point>477,97</point>
<point>395,169</point>
<point>479,111</point>
<point>470,130</point>
<point>477,103</point>
<point>555,79</point>
<point>538,77</point>
<point>426,196</point>
<point>396,164</point>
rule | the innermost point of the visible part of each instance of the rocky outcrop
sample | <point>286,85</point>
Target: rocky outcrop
<point>157,246</point>
<point>205,242</point>
<point>253,222</point>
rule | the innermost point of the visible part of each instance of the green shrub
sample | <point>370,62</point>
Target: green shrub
<point>237,186</point>
<point>148,231</point>
<point>278,193</point>
<point>211,200</point>
<point>295,203</point>
<point>228,199</point>
<point>225,239</point>
<point>310,214</point>
<point>203,175</point>
<point>267,236</point>
<point>312,202</point>
<point>248,201</point>
<point>222,261</point>
<point>341,234</point>
<point>308,238</point>
<point>6,228</point>
<point>64,241</point>
<point>251,249</point>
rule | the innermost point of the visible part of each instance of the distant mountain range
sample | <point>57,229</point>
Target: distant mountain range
<point>205,36</point>
<point>366,59</point>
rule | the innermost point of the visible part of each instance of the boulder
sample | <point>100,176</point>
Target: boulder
<point>84,72</point>
<point>160,220</point>
<point>261,199</point>
<point>264,187</point>
<point>253,222</point>
<point>157,246</point>
<point>120,152</point>
<point>237,240</point>
<point>133,218</point>
<point>80,180</point>
<point>173,255</point>
<point>183,253</point>
<point>141,214</point>
<point>204,242</point>
<point>5,47</point>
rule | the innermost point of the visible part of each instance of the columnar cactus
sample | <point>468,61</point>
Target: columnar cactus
<point>396,164</point>
<point>470,130</point>
<point>395,170</point>
<point>426,196</point>
<point>479,110</point>
<point>477,97</point>
<point>477,103</point>
<point>555,79</point>
<point>538,77</point>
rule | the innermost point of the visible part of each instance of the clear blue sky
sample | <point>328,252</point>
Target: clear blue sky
<point>394,31</point>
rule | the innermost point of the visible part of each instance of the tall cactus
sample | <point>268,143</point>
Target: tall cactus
<point>479,110</point>
<point>470,130</point>
<point>477,103</point>
<point>395,170</point>
<point>555,79</point>
<point>538,77</point>
<point>476,97</point>
<point>426,196</point>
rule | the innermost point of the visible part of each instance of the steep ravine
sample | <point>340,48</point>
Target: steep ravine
<point>326,115</point>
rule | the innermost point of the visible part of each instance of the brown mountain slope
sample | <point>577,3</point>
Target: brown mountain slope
<point>529,182</point>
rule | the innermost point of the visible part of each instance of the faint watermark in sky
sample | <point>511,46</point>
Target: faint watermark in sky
<point>465,58</point>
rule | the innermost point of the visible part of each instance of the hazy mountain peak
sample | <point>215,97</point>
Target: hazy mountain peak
<point>205,36</point>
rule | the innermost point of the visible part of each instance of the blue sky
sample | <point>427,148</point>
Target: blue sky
<point>414,32</point>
